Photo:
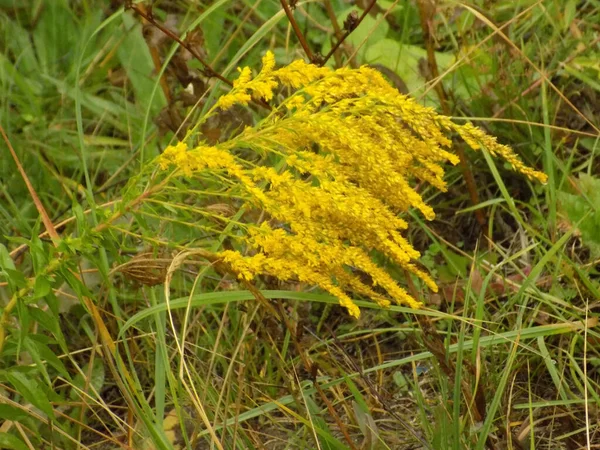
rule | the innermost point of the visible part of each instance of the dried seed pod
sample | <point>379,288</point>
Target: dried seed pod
<point>221,209</point>
<point>145,268</point>
<point>351,21</point>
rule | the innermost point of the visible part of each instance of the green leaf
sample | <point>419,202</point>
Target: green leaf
<point>358,397</point>
<point>24,321</point>
<point>400,380</point>
<point>213,28</point>
<point>11,442</point>
<point>370,31</point>
<point>31,348</point>
<point>327,440</point>
<point>54,37</point>
<point>6,261</point>
<point>405,60</point>
<point>96,380</point>
<point>39,255</point>
<point>75,283</point>
<point>9,412</point>
<point>583,210</point>
<point>31,391</point>
<point>570,11</point>
<point>135,58</point>
<point>45,354</point>
<point>42,287</point>
<point>50,323</point>
<point>15,279</point>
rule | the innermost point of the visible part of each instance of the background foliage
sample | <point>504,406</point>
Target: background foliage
<point>96,355</point>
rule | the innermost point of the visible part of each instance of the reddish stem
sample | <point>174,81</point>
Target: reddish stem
<point>290,15</point>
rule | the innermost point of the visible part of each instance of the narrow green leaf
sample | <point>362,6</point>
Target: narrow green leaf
<point>50,358</point>
<point>31,391</point>
<point>9,441</point>
<point>9,412</point>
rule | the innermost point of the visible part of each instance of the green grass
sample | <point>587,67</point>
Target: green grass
<point>203,364</point>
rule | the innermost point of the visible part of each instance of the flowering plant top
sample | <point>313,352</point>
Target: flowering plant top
<point>350,147</point>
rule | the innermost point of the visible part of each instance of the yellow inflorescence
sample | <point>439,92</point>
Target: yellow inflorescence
<point>352,146</point>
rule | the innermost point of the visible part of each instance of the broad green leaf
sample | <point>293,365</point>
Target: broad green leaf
<point>370,31</point>
<point>42,287</point>
<point>31,348</point>
<point>96,380</point>
<point>405,60</point>
<point>135,58</point>
<point>583,208</point>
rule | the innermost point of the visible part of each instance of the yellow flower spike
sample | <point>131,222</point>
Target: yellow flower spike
<point>244,78</point>
<point>268,63</point>
<point>233,98</point>
<point>353,147</point>
<point>297,101</point>
<point>299,74</point>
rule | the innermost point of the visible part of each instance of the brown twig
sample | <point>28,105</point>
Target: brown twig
<point>348,32</point>
<point>208,70</point>
<point>290,15</point>
<point>426,13</point>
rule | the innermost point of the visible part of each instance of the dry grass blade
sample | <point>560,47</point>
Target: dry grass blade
<point>36,200</point>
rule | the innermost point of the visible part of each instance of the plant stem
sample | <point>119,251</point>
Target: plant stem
<point>210,72</point>
<point>290,15</point>
<point>336,28</point>
<point>426,12</point>
<point>347,33</point>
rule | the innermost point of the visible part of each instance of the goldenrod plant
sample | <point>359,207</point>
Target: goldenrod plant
<point>176,236</point>
<point>340,152</point>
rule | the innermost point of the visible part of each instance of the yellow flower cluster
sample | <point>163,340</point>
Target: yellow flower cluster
<point>351,147</point>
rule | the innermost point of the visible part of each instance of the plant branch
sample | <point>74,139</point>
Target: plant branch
<point>208,70</point>
<point>348,31</point>
<point>290,15</point>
